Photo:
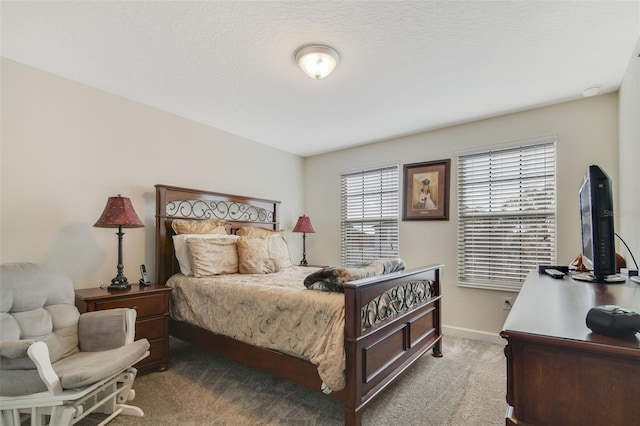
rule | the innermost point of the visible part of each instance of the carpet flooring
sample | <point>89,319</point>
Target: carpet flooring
<point>466,386</point>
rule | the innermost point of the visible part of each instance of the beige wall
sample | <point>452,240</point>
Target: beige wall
<point>587,134</point>
<point>67,147</point>
<point>627,220</point>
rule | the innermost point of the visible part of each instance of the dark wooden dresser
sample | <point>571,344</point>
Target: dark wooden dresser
<point>152,322</point>
<point>558,371</point>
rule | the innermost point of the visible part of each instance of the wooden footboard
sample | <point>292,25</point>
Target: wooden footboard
<point>390,321</point>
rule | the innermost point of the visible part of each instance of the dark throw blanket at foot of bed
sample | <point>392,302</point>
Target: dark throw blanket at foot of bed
<point>332,278</point>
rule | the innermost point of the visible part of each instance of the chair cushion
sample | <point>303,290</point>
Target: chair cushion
<point>103,330</point>
<point>27,286</point>
<point>15,348</point>
<point>21,382</point>
<point>75,371</point>
<point>37,302</point>
<point>85,368</point>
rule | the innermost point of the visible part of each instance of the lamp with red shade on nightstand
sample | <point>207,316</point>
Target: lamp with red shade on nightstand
<point>304,226</point>
<point>119,213</point>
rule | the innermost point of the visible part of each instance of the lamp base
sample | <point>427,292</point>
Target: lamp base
<point>303,262</point>
<point>119,282</point>
<point>119,286</point>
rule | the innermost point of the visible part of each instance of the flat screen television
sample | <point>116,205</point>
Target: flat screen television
<point>598,235</point>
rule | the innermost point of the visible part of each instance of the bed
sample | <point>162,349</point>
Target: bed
<point>390,320</point>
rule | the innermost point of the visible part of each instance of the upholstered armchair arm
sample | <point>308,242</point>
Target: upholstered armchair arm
<point>15,348</point>
<point>108,329</point>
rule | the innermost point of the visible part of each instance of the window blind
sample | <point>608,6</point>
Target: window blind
<point>370,215</point>
<point>506,214</point>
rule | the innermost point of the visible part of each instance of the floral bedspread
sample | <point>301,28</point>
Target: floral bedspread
<point>272,311</point>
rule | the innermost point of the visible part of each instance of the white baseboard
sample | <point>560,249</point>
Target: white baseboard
<point>467,333</point>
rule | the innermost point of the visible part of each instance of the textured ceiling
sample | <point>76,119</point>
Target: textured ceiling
<point>406,66</point>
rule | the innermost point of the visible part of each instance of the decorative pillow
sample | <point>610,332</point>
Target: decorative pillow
<point>259,266</point>
<point>212,256</point>
<point>255,231</point>
<point>278,249</point>
<point>182,253</point>
<point>183,226</point>
<point>253,256</point>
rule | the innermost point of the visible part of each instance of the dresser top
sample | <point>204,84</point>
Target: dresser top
<point>557,308</point>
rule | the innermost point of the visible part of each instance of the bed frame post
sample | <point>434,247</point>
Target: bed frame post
<point>437,348</point>
<point>161,236</point>
<point>352,412</point>
<point>352,417</point>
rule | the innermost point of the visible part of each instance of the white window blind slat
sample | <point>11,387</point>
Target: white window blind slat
<point>506,214</point>
<point>370,215</point>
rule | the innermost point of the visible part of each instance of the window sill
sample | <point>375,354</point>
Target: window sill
<point>484,286</point>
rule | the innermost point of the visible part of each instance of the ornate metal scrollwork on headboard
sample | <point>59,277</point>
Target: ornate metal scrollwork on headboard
<point>223,210</point>
<point>395,301</point>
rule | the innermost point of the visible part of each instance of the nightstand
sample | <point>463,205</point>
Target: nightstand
<point>152,321</point>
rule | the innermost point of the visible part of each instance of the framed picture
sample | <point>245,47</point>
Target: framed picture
<point>426,191</point>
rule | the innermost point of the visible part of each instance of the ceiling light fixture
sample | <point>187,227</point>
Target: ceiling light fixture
<point>317,61</point>
<point>591,91</point>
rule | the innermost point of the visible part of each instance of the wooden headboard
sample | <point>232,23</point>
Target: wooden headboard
<point>184,203</point>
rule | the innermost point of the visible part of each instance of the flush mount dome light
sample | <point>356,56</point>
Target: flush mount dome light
<point>591,91</point>
<point>317,61</point>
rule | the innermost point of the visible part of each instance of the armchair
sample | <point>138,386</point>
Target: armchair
<point>55,362</point>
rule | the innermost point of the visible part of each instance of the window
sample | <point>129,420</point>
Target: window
<point>506,214</point>
<point>370,214</point>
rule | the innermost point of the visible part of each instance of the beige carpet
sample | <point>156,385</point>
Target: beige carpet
<point>465,387</point>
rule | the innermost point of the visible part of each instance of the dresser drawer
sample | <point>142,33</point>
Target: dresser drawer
<point>152,328</point>
<point>145,306</point>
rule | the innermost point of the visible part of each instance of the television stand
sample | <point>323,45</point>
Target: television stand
<point>558,371</point>
<point>599,279</point>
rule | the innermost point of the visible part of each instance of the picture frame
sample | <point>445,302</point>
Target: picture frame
<point>426,190</point>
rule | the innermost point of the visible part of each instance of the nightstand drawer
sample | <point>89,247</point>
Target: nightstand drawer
<point>158,352</point>
<point>153,328</point>
<point>145,306</point>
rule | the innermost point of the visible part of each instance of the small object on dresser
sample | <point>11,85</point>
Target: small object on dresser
<point>145,278</point>
<point>561,268</point>
<point>613,320</point>
<point>626,272</point>
<point>554,273</point>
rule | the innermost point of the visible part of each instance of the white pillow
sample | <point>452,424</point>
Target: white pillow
<point>182,253</point>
